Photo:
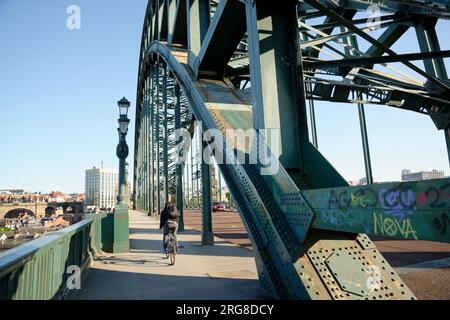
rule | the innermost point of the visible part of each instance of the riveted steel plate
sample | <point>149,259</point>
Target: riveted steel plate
<point>344,282</point>
<point>350,274</point>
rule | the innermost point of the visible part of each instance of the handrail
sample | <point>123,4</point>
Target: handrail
<point>38,269</point>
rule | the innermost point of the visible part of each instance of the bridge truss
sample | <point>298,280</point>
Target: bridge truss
<point>261,64</point>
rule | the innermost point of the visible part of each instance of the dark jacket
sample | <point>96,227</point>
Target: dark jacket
<point>167,215</point>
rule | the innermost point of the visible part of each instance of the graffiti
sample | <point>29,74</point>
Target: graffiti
<point>344,200</point>
<point>441,223</point>
<point>358,200</point>
<point>398,202</point>
<point>333,200</point>
<point>392,227</point>
<point>435,197</point>
<point>340,219</point>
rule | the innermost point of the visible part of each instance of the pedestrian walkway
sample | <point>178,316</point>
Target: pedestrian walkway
<point>223,271</point>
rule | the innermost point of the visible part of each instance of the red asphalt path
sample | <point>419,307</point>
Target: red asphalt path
<point>427,283</point>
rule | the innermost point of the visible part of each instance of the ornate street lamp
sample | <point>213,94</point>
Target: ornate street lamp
<point>121,241</point>
<point>122,148</point>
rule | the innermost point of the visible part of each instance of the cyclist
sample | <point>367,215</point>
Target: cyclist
<point>168,221</point>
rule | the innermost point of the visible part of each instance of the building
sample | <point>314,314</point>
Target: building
<point>101,187</point>
<point>57,196</point>
<point>362,181</point>
<point>407,175</point>
<point>12,191</point>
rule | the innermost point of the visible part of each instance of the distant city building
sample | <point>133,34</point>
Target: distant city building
<point>12,191</point>
<point>363,181</point>
<point>353,183</point>
<point>101,187</point>
<point>407,175</point>
<point>57,196</point>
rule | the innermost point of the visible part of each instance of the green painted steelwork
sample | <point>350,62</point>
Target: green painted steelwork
<point>207,232</point>
<point>307,226</point>
<point>39,270</point>
<point>120,228</point>
<point>406,210</point>
<point>179,166</point>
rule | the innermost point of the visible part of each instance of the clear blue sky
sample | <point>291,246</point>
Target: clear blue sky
<point>60,87</point>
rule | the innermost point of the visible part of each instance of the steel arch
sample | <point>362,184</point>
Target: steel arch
<point>306,225</point>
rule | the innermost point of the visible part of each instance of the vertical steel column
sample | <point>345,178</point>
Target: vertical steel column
<point>216,169</point>
<point>143,153</point>
<point>155,21</point>
<point>198,159</point>
<point>165,138</point>
<point>353,43</point>
<point>152,139</point>
<point>428,42</point>
<point>172,13</point>
<point>312,112</point>
<point>146,103</point>
<point>447,141</point>
<point>207,234</point>
<point>365,141</point>
<point>150,25</point>
<point>186,180</point>
<point>198,19</point>
<point>141,137</point>
<point>163,21</point>
<point>179,168</point>
<point>157,125</point>
<point>278,93</point>
<point>312,118</point>
<point>191,201</point>
<point>220,186</point>
<point>147,144</point>
<point>137,168</point>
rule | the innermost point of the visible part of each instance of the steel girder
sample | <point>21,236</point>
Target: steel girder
<point>308,228</point>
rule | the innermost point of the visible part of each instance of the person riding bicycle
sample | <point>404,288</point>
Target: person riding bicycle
<point>168,221</point>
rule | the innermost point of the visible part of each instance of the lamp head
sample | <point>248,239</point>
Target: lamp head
<point>124,105</point>
<point>123,124</point>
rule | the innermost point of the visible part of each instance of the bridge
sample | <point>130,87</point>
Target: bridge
<point>38,209</point>
<point>237,81</point>
<point>8,210</point>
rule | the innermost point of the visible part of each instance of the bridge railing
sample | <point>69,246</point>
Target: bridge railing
<point>48,267</point>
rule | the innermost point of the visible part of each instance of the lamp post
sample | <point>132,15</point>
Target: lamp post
<point>121,231</point>
<point>122,148</point>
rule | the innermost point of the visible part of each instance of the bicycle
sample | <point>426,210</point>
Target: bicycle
<point>171,247</point>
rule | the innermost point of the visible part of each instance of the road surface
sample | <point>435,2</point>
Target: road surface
<point>423,265</point>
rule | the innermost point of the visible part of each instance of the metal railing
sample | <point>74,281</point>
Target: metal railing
<point>43,269</point>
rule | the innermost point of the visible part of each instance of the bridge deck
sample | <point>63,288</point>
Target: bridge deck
<point>222,271</point>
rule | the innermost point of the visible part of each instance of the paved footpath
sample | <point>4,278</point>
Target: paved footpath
<point>223,271</point>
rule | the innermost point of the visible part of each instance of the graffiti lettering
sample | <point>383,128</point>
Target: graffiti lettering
<point>437,198</point>
<point>340,219</point>
<point>398,202</point>
<point>361,198</point>
<point>442,223</point>
<point>393,227</point>
<point>333,200</point>
<point>341,201</point>
<point>358,200</point>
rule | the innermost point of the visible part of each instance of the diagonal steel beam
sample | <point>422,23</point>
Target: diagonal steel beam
<point>364,61</point>
<point>224,34</point>
<point>362,34</point>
